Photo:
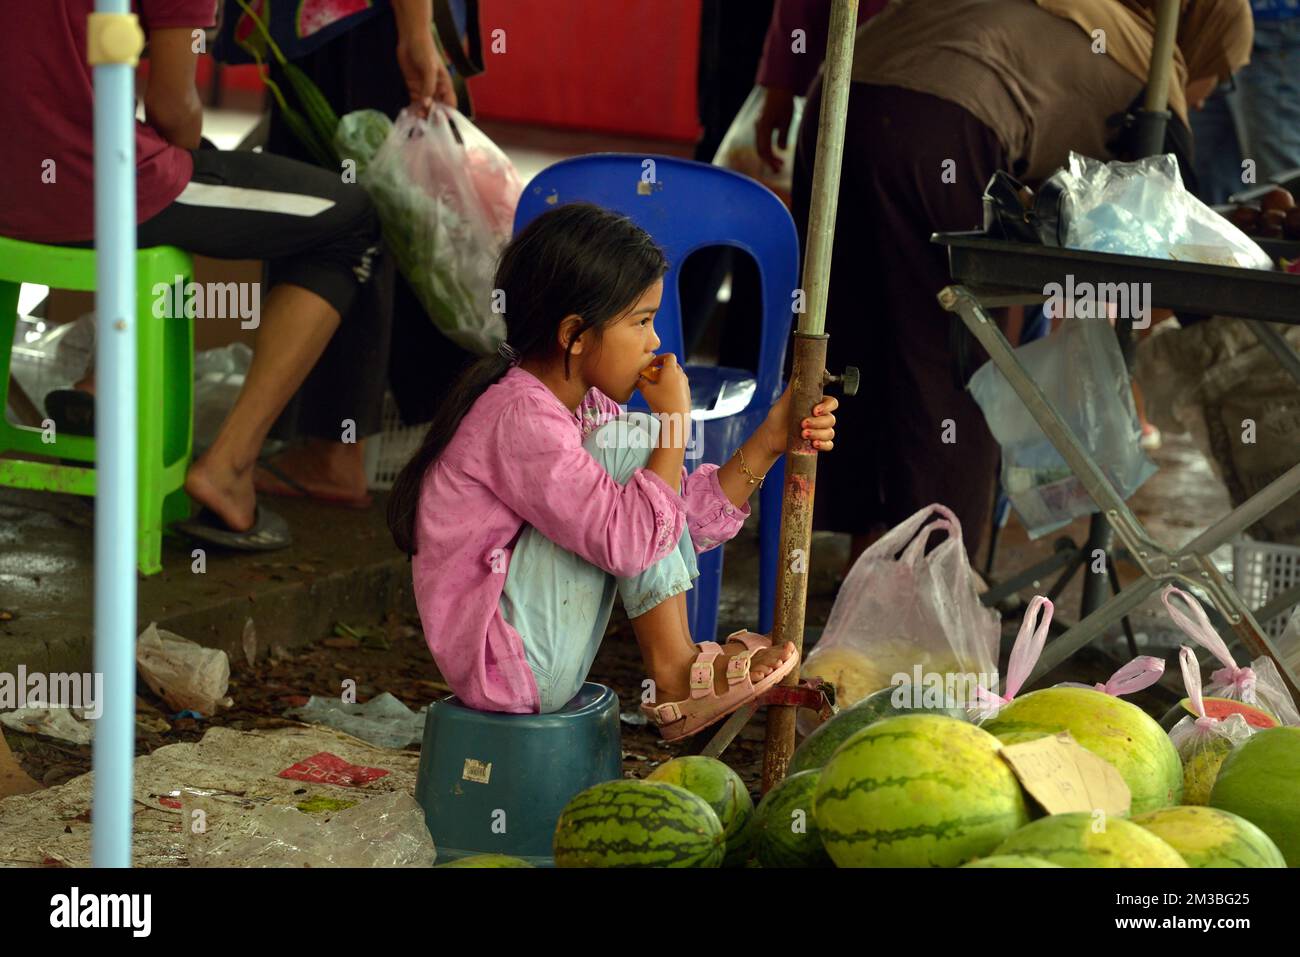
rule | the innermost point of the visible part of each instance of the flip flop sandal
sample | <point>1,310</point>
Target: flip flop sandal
<point>295,489</point>
<point>72,410</point>
<point>681,719</point>
<point>269,532</point>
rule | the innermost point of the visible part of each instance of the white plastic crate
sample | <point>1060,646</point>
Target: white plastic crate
<point>389,451</point>
<point>1261,571</point>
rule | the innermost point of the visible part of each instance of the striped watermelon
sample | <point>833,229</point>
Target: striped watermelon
<point>1260,781</point>
<point>1077,839</point>
<point>1010,860</point>
<point>818,747</point>
<point>1109,727</point>
<point>725,792</point>
<point>919,790</point>
<point>638,824</point>
<point>487,860</point>
<point>1208,837</point>
<point>785,832</point>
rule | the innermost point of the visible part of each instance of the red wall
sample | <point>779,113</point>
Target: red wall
<point>622,66</point>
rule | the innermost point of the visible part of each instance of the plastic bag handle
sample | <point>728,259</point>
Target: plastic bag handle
<point>889,545</point>
<point>1024,653</point>
<point>1142,672</point>
<point>1192,678</point>
<point>916,550</point>
<point>1203,633</point>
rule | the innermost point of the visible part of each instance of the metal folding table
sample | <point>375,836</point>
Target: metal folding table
<point>991,273</point>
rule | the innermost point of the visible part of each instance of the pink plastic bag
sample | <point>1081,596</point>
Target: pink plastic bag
<point>1260,685</point>
<point>1024,655</point>
<point>901,611</point>
<point>447,196</point>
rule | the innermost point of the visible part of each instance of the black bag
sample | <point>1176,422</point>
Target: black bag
<point>1007,217</point>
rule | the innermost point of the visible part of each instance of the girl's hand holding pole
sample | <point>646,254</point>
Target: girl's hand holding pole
<point>819,428</point>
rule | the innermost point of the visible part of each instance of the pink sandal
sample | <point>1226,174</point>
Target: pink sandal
<point>681,719</point>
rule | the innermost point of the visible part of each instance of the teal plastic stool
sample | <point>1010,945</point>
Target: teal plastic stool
<point>164,376</point>
<point>493,783</point>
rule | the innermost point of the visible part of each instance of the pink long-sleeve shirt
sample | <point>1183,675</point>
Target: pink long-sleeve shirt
<point>516,459</point>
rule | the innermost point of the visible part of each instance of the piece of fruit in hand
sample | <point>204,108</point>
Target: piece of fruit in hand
<point>653,370</point>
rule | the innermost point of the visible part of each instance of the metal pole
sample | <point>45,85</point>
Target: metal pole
<point>114,45</point>
<point>1153,116</point>
<point>809,377</point>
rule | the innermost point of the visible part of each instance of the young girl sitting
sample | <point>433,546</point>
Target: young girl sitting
<point>534,498</point>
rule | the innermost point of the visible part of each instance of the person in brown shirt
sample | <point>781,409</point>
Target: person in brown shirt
<point>945,93</point>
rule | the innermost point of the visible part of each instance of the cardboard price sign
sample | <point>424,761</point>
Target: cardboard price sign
<point>1062,776</point>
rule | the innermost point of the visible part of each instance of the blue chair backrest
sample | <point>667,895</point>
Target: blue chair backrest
<point>685,206</point>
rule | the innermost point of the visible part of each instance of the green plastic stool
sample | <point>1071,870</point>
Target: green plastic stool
<point>165,373</point>
<point>493,783</point>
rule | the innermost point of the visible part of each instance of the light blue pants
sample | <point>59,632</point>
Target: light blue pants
<point>1270,97</point>
<point>560,603</point>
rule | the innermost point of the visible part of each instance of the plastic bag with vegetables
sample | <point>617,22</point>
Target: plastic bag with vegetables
<point>1203,742</point>
<point>1260,685</point>
<point>446,196</point>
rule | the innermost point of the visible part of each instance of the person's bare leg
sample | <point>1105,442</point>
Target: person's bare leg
<point>668,652</point>
<point>296,326</point>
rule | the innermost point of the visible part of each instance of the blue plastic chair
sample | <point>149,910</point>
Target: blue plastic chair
<point>686,206</point>
<point>492,783</point>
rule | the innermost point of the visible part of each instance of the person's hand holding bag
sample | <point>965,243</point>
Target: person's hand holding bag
<point>427,79</point>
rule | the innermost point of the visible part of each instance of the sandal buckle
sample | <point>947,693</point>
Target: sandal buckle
<point>738,667</point>
<point>702,676</point>
<point>667,713</point>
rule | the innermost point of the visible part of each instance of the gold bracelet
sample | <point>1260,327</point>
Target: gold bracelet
<point>753,479</point>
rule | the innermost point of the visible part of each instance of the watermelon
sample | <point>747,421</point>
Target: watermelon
<point>1208,837</point>
<point>1260,781</point>
<point>725,792</point>
<point>1219,708</point>
<point>1109,727</point>
<point>487,860</point>
<point>1010,860</point>
<point>1077,839</point>
<point>918,790</point>
<point>818,747</point>
<point>316,15</point>
<point>785,832</point>
<point>638,824</point>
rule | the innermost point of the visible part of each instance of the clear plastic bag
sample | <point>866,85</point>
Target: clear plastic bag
<point>1260,686</point>
<point>1203,742</point>
<point>183,673</point>
<point>739,150</point>
<point>387,830</point>
<point>446,195</point>
<point>1081,370</point>
<point>1142,209</point>
<point>218,378</point>
<point>900,610</point>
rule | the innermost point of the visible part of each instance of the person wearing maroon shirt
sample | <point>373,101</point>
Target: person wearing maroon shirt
<point>321,236</point>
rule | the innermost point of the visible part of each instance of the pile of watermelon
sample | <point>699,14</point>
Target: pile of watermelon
<point>880,786</point>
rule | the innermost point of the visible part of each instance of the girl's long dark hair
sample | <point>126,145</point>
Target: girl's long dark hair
<point>576,259</point>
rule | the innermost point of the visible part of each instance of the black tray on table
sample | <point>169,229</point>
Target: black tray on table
<point>981,262</point>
